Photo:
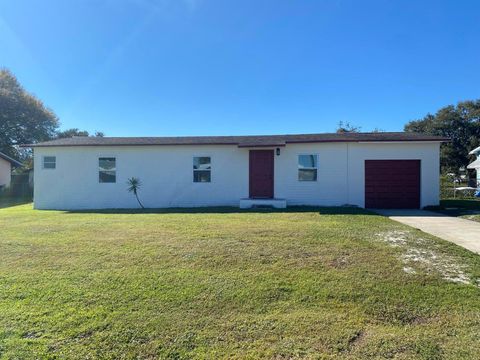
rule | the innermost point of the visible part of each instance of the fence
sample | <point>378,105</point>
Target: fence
<point>20,187</point>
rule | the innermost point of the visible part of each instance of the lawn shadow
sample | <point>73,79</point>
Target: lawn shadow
<point>457,207</point>
<point>9,202</point>
<point>328,210</point>
<point>459,212</point>
<point>410,212</point>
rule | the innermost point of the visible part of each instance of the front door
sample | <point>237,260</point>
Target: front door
<point>261,174</point>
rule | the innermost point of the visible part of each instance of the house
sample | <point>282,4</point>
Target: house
<point>476,164</point>
<point>6,164</point>
<point>373,170</point>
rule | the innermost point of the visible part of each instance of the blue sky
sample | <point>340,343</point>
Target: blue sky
<point>213,67</point>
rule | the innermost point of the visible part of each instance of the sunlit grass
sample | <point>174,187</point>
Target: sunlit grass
<point>306,283</point>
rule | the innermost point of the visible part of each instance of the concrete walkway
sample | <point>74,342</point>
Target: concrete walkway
<point>462,232</point>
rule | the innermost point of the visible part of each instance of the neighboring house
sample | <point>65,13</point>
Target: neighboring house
<point>373,170</point>
<point>476,164</point>
<point>6,164</point>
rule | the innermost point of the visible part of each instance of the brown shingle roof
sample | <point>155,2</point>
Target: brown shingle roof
<point>241,141</point>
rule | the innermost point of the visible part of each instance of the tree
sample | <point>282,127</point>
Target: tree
<point>23,117</point>
<point>133,186</point>
<point>460,123</point>
<point>76,132</point>
<point>347,128</point>
<point>71,133</point>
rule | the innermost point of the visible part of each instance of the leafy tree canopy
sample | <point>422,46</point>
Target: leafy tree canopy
<point>23,118</point>
<point>71,133</point>
<point>76,132</point>
<point>460,123</point>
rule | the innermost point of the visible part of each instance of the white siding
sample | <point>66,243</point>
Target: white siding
<point>5,172</point>
<point>331,186</point>
<point>167,175</point>
<point>427,153</point>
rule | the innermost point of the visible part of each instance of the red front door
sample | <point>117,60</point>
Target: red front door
<point>261,174</point>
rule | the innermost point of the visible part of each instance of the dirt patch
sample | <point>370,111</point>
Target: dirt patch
<point>31,335</point>
<point>356,339</point>
<point>340,263</point>
<point>395,238</point>
<point>416,253</point>
<point>409,270</point>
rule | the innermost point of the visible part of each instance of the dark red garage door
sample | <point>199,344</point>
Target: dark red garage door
<point>392,184</point>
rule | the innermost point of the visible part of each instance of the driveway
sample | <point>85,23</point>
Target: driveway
<point>462,232</point>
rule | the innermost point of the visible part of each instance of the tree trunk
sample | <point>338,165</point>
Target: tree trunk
<point>136,195</point>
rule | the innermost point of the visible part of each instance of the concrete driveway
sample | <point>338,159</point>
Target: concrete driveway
<point>462,232</point>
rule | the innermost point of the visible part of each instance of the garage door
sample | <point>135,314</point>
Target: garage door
<point>392,184</point>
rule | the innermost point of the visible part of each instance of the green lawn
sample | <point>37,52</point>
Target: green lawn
<point>470,216</point>
<point>465,208</point>
<point>305,283</point>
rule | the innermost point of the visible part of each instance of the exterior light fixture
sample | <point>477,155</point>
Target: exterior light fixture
<point>278,151</point>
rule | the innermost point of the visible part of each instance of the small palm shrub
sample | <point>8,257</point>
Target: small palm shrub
<point>134,185</point>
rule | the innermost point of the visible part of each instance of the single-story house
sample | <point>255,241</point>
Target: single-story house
<point>476,164</point>
<point>373,170</point>
<point>6,164</point>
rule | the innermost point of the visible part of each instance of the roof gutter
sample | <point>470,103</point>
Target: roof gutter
<point>248,144</point>
<point>404,141</point>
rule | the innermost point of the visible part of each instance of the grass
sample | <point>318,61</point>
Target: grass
<point>304,283</point>
<point>465,208</point>
<point>8,202</point>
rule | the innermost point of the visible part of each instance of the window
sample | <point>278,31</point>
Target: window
<point>49,162</point>
<point>201,169</point>
<point>107,170</point>
<point>307,168</point>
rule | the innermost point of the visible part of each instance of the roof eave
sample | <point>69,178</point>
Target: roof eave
<point>474,151</point>
<point>266,145</point>
<point>474,165</point>
<point>12,161</point>
<point>243,141</point>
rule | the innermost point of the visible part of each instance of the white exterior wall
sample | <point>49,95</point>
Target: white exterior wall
<point>427,153</point>
<point>166,173</point>
<point>5,172</point>
<point>330,189</point>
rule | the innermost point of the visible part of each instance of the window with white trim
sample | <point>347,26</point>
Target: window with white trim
<point>202,169</point>
<point>107,170</point>
<point>49,162</point>
<point>307,167</point>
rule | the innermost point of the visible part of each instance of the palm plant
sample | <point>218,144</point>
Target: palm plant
<point>134,185</point>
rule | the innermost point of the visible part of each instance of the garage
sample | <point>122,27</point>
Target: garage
<point>392,184</point>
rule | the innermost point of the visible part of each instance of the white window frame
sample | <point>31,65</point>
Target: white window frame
<point>43,162</point>
<point>99,169</point>
<point>193,170</point>
<point>307,168</point>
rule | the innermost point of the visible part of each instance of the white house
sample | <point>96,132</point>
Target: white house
<point>476,164</point>
<point>374,170</point>
<point>6,163</point>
